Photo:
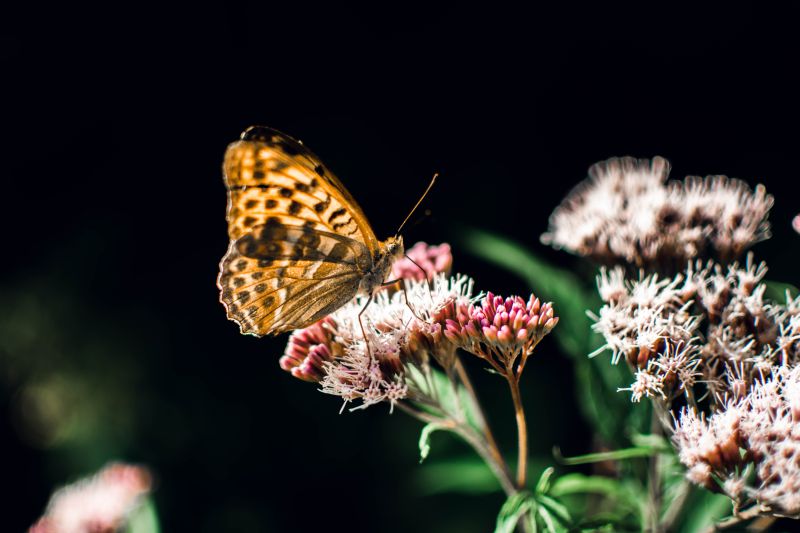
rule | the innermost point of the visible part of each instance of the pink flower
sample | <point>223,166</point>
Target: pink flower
<point>98,504</point>
<point>309,349</point>
<point>504,332</point>
<point>432,259</point>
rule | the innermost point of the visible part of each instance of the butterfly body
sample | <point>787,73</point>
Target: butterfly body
<point>300,246</point>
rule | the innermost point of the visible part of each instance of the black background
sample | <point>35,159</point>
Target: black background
<point>114,124</point>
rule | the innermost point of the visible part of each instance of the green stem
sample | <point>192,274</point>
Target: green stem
<point>654,480</point>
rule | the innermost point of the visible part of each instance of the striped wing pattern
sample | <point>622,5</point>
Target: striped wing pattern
<point>299,244</point>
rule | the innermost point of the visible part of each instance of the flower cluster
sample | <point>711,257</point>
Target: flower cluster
<point>626,212</point>
<point>404,330</point>
<point>98,504</point>
<point>503,331</point>
<point>423,262</point>
<point>708,327</point>
<point>708,344</point>
<point>750,448</point>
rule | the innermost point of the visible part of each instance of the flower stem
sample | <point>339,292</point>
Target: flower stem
<point>654,478</point>
<point>522,430</point>
<point>487,431</point>
<point>743,516</point>
<point>472,438</point>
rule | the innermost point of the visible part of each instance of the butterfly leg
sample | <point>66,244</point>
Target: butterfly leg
<point>363,331</point>
<point>405,295</point>
<point>430,283</point>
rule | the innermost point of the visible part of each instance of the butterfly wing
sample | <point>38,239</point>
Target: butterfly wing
<point>299,243</point>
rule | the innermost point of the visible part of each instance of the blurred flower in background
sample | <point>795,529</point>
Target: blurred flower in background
<point>102,503</point>
<point>626,212</point>
<point>431,259</point>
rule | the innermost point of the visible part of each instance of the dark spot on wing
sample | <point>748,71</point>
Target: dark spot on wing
<point>319,169</point>
<point>295,207</point>
<point>259,175</point>
<point>271,203</point>
<point>279,166</point>
<point>286,192</point>
<point>302,187</point>
<point>261,287</point>
<point>336,214</point>
<point>289,146</point>
<point>250,204</point>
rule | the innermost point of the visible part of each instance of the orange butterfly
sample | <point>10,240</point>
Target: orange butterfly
<point>300,246</point>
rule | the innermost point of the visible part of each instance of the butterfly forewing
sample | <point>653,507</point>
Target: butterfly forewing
<point>299,242</point>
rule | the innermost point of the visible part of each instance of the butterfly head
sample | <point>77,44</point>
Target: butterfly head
<point>393,248</point>
<point>388,251</point>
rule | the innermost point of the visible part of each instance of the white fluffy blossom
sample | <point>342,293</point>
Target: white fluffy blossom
<point>627,212</point>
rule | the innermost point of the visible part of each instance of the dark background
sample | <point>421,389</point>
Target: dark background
<point>115,120</point>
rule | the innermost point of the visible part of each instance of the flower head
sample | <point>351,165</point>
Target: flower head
<point>98,504</point>
<point>503,331</point>
<point>758,431</point>
<point>309,349</point>
<point>402,329</point>
<point>431,259</point>
<point>627,212</point>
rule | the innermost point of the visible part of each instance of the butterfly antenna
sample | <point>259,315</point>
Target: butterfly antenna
<point>430,185</point>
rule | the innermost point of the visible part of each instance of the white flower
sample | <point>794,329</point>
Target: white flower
<point>626,212</point>
<point>372,367</point>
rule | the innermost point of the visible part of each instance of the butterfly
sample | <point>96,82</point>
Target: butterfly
<point>300,246</point>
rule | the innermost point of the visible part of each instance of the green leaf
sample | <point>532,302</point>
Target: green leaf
<point>658,442</point>
<point>777,291</point>
<point>608,410</point>
<point>454,399</point>
<point>515,507</point>
<point>468,475</point>
<point>543,485</point>
<point>578,483</point>
<point>555,507</point>
<point>702,510</point>
<point>143,519</point>
<point>601,500</point>
<point>425,439</point>
<point>615,455</point>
